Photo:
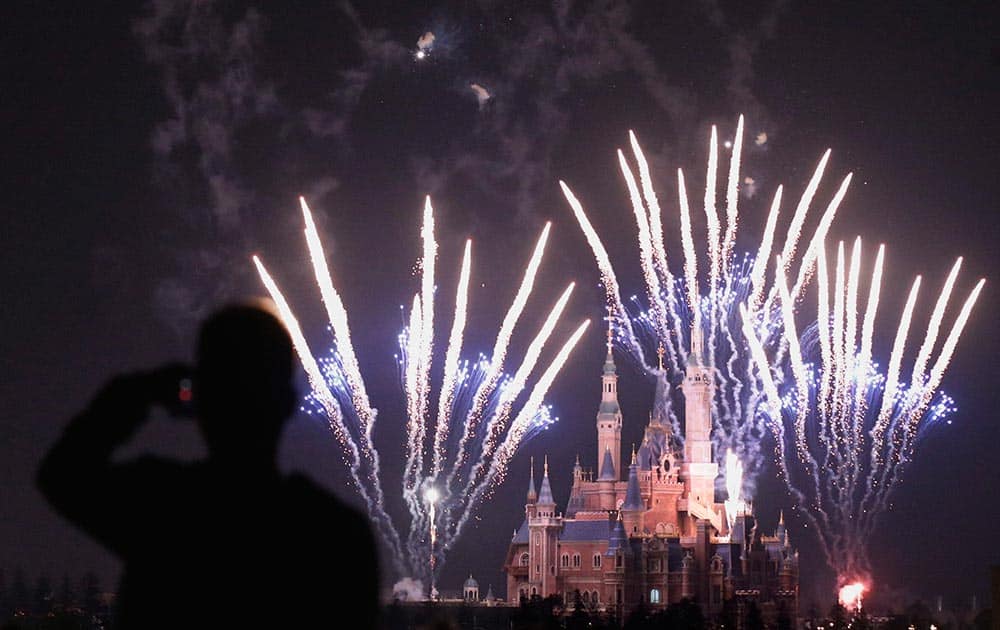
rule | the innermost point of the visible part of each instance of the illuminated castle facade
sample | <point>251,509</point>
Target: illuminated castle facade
<point>650,531</point>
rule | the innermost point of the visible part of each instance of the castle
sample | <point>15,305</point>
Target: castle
<point>651,533</point>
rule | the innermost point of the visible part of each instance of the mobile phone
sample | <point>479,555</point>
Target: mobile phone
<point>184,407</point>
<point>179,402</point>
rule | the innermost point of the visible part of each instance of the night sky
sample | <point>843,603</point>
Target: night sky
<point>149,151</point>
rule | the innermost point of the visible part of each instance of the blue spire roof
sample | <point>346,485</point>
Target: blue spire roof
<point>545,496</point>
<point>617,540</point>
<point>633,498</point>
<point>608,468</point>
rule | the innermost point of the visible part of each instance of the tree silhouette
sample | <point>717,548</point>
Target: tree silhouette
<point>838,617</point>
<point>66,597</point>
<point>754,620</point>
<point>19,597</point>
<point>579,619</point>
<point>42,601</point>
<point>90,592</point>
<point>684,615</point>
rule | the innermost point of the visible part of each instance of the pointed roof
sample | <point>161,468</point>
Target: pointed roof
<point>617,540</point>
<point>633,498</point>
<point>608,467</point>
<point>575,503</point>
<point>545,495</point>
<point>532,494</point>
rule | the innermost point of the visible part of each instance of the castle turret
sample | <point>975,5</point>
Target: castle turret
<point>699,469</point>
<point>633,507</point>
<point>544,539</point>
<point>609,415</point>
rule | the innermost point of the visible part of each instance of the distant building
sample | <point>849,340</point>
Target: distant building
<point>470,591</point>
<point>651,532</point>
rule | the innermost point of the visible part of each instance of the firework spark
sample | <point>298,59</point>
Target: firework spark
<point>677,304</point>
<point>440,500</point>
<point>851,426</point>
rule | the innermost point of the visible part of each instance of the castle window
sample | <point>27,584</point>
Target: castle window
<point>576,560</point>
<point>564,560</point>
<point>618,560</point>
<point>654,596</point>
<point>524,559</point>
<point>594,597</point>
<point>597,561</point>
<point>586,597</point>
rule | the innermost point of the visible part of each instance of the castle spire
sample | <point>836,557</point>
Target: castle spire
<point>609,413</point>
<point>611,332</point>
<point>633,497</point>
<point>532,494</point>
<point>545,495</point>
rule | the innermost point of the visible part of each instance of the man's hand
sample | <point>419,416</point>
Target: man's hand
<point>171,387</point>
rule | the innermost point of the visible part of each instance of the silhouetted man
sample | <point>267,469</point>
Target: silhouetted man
<point>228,542</point>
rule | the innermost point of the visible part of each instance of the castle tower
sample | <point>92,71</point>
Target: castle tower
<point>609,414</point>
<point>699,469</point>
<point>543,540</point>
<point>470,590</point>
<point>633,507</point>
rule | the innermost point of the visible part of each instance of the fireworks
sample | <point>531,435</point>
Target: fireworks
<point>476,401</point>
<point>849,596</point>
<point>845,429</point>
<point>734,487</point>
<point>677,303</point>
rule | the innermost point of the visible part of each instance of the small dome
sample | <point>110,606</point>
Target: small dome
<point>471,582</point>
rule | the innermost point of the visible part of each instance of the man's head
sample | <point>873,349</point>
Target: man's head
<point>243,382</point>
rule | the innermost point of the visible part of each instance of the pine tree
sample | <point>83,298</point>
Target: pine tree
<point>66,598</point>
<point>19,597</point>
<point>42,600</point>
<point>90,591</point>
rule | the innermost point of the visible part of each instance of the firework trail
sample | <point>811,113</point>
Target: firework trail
<point>851,427</point>
<point>441,499</point>
<point>676,303</point>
